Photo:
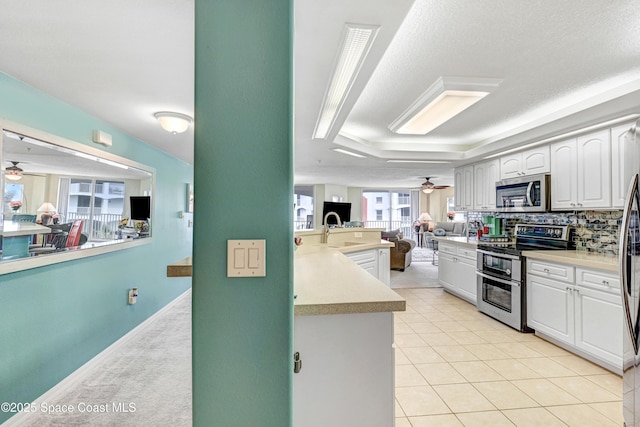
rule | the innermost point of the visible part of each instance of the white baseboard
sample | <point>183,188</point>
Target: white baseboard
<point>67,383</point>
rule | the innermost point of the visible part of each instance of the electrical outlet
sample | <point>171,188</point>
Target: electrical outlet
<point>133,296</point>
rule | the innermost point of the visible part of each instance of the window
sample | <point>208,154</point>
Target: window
<point>388,209</point>
<point>303,207</point>
<point>100,203</point>
<point>378,200</point>
<point>12,201</point>
<point>379,215</point>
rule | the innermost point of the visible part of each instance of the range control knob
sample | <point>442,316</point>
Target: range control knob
<point>508,272</point>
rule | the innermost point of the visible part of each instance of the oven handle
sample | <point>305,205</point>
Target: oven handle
<point>504,282</point>
<point>499,255</point>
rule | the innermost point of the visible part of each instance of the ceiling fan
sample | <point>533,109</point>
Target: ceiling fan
<point>428,186</point>
<point>13,173</point>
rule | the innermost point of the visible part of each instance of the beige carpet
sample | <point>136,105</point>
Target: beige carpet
<point>420,274</point>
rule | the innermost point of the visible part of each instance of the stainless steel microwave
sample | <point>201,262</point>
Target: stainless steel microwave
<point>524,194</point>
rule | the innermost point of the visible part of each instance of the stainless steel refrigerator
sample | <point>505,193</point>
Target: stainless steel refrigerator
<point>630,280</point>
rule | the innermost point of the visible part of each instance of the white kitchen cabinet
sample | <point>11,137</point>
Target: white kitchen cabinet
<point>529,162</point>
<point>375,261</point>
<point>578,307</point>
<point>581,172</point>
<point>619,182</point>
<point>463,188</point>
<point>485,176</point>
<point>457,270</point>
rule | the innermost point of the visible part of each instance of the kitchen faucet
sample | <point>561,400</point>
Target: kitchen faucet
<point>325,236</point>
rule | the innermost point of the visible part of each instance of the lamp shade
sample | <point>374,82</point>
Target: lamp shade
<point>424,217</point>
<point>47,207</point>
<point>173,122</point>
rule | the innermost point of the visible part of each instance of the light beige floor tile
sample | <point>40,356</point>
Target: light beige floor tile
<point>402,422</point>
<point>454,353</point>
<point>585,390</point>
<point>581,416</point>
<point>440,373</point>
<point>546,348</point>
<point>436,421</point>
<point>401,358</point>
<point>402,328</point>
<point>408,375</point>
<point>579,365</point>
<point>504,395</point>
<point>418,355</point>
<point>409,340</point>
<point>610,382</point>
<point>611,410</point>
<point>477,325</point>
<point>545,392</point>
<point>463,398</point>
<point>437,317</point>
<point>517,350</point>
<point>547,367</point>
<point>495,337</point>
<point>409,317</point>
<point>520,336</point>
<point>399,411</point>
<point>533,417</point>
<point>450,326</point>
<point>484,419</point>
<point>466,337</point>
<point>512,369</point>
<point>438,339</point>
<point>424,327</point>
<point>416,401</point>
<point>486,351</point>
<point>477,371</point>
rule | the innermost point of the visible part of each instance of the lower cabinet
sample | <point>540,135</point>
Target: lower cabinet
<point>347,371</point>
<point>457,270</point>
<point>583,310</point>
<point>375,261</point>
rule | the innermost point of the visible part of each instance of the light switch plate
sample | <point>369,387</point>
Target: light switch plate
<point>246,258</point>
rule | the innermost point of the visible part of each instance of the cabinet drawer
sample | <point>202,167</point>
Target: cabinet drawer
<point>561,272</point>
<point>467,253</point>
<point>449,249</point>
<point>362,256</point>
<point>598,279</point>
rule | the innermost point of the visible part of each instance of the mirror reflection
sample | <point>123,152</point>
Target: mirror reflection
<point>59,197</point>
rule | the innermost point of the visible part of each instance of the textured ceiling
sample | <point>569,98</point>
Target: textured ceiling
<point>564,64</point>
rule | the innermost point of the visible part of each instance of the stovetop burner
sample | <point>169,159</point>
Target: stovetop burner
<point>533,237</point>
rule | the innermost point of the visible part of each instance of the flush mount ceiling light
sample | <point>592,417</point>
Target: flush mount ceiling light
<point>349,153</point>
<point>173,122</point>
<point>354,47</point>
<point>418,161</point>
<point>13,173</point>
<point>446,98</point>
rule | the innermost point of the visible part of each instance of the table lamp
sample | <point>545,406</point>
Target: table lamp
<point>47,210</point>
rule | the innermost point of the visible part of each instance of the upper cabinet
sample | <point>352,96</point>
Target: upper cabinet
<point>619,181</point>
<point>581,172</point>
<point>485,176</point>
<point>463,188</point>
<point>529,162</point>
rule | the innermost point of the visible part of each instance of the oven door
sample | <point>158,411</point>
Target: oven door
<point>501,299</point>
<point>504,266</point>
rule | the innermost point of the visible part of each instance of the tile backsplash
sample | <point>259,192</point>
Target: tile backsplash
<point>596,231</point>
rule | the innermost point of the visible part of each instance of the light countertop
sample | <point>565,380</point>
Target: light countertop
<point>327,282</point>
<point>577,258</point>
<point>470,242</point>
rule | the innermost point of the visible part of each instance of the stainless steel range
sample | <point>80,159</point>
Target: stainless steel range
<point>501,275</point>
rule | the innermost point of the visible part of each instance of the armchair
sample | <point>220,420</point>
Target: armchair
<point>400,254</point>
<point>444,229</point>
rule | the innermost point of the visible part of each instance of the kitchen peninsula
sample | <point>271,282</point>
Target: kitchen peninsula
<point>343,331</point>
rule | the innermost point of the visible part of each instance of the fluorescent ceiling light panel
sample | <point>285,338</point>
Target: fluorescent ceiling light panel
<point>349,153</point>
<point>419,161</point>
<point>354,47</point>
<point>445,99</point>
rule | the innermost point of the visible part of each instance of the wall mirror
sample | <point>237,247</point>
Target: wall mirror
<point>62,196</point>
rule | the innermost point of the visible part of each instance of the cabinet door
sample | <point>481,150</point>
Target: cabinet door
<point>480,186</point>
<point>384,266</point>
<point>535,161</point>
<point>446,270</point>
<point>550,308</point>
<point>492,174</point>
<point>599,324</point>
<point>510,166</point>
<point>466,279</point>
<point>458,189</point>
<point>594,170</point>
<point>619,182</point>
<point>564,174</point>
<point>467,203</point>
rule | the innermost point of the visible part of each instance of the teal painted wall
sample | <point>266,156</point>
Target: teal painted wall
<point>55,318</point>
<point>242,327</point>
